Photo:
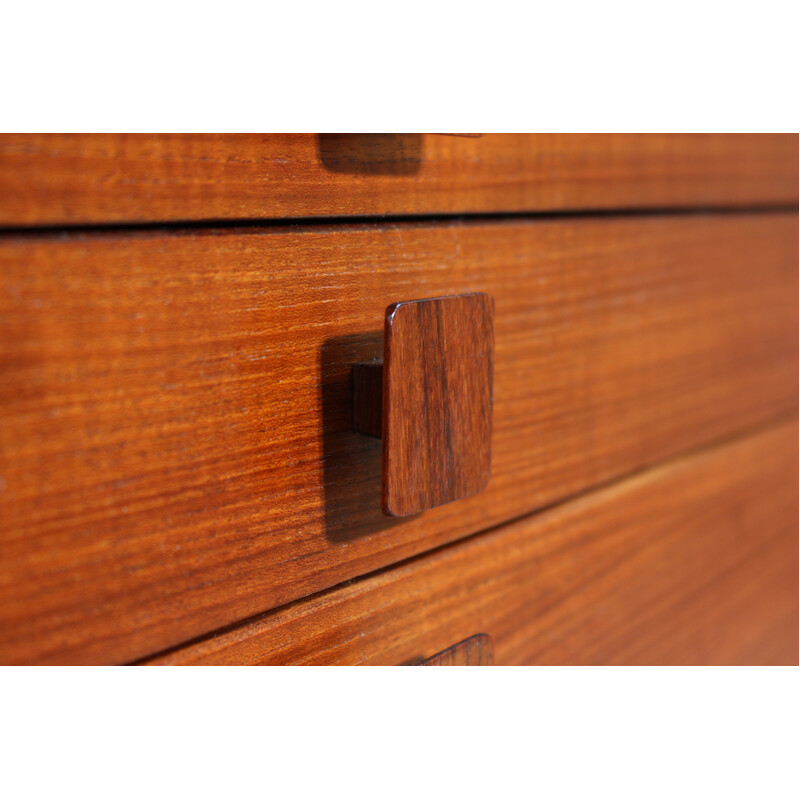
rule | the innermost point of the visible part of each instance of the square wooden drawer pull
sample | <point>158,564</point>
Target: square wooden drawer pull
<point>430,400</point>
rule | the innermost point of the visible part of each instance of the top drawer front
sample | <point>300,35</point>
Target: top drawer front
<point>177,449</point>
<point>53,179</point>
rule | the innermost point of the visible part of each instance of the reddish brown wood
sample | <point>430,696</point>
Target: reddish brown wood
<point>177,449</point>
<point>430,399</point>
<point>52,179</point>
<point>435,390</point>
<point>692,562</point>
<point>473,652</point>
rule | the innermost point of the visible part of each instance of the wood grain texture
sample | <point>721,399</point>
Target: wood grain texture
<point>473,652</point>
<point>54,179</point>
<point>437,401</point>
<point>177,449</point>
<point>694,562</point>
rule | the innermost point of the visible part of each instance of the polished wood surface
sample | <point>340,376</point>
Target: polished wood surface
<point>177,450</point>
<point>437,401</point>
<point>692,562</point>
<point>56,179</point>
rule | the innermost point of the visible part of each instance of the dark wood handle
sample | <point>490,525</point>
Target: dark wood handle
<point>430,400</point>
<point>476,651</point>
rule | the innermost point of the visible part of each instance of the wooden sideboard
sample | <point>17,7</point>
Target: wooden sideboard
<point>181,479</point>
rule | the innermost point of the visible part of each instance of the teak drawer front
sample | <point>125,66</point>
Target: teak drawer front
<point>177,449</point>
<point>694,562</point>
<point>54,179</point>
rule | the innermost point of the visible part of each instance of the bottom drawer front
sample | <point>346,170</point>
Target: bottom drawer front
<point>693,562</point>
